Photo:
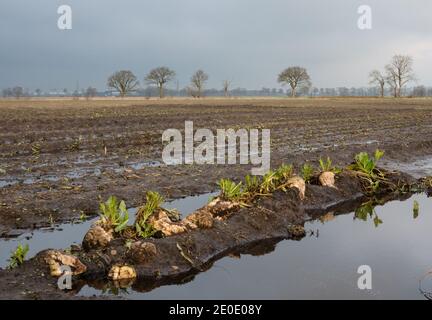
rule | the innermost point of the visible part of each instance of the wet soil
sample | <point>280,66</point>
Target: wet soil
<point>179,258</point>
<point>57,157</point>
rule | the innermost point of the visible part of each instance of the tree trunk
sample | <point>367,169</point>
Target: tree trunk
<point>293,91</point>
<point>382,91</point>
<point>399,87</point>
<point>161,92</point>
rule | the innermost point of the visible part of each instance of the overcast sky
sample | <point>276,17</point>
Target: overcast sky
<point>246,41</point>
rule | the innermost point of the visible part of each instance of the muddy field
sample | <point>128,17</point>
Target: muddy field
<point>57,157</point>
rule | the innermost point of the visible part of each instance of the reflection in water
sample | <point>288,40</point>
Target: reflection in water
<point>128,287</point>
<point>315,267</point>
<point>416,209</point>
<point>367,210</point>
<point>425,285</point>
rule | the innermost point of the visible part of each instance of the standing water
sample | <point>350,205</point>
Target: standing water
<point>61,237</point>
<point>394,241</point>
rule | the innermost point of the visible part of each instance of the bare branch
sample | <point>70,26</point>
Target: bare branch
<point>226,85</point>
<point>399,72</point>
<point>159,77</point>
<point>376,77</point>
<point>198,80</point>
<point>123,81</point>
<point>295,77</point>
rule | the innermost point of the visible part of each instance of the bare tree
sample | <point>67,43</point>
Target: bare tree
<point>376,77</point>
<point>159,77</point>
<point>90,93</point>
<point>38,92</point>
<point>296,77</point>
<point>123,81</point>
<point>226,85</point>
<point>17,92</point>
<point>198,80</point>
<point>419,91</point>
<point>76,95</point>
<point>7,93</point>
<point>400,72</point>
<point>191,91</point>
<point>391,79</point>
<point>304,90</point>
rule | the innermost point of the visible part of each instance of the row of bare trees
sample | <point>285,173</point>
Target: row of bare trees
<point>125,81</point>
<point>19,92</point>
<point>16,92</point>
<point>396,74</point>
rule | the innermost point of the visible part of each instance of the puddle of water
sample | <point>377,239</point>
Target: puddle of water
<point>60,237</point>
<point>142,165</point>
<point>77,173</point>
<point>323,267</point>
<point>7,183</point>
<point>64,235</point>
<point>137,165</point>
<point>189,204</point>
<point>311,147</point>
<point>418,169</point>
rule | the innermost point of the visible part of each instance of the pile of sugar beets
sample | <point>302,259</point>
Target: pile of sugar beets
<point>160,246</point>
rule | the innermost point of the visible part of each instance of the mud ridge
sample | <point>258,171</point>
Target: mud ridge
<point>178,258</point>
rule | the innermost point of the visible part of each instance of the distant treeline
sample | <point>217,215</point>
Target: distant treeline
<point>152,91</point>
<point>390,82</point>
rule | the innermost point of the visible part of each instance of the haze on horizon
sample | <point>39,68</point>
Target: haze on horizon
<point>246,41</point>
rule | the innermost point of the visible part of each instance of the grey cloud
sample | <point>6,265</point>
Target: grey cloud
<point>248,41</point>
